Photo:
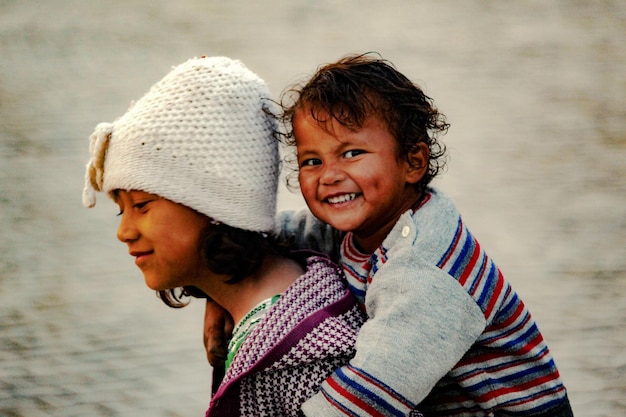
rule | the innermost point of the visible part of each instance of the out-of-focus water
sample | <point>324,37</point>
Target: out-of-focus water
<point>536,95</point>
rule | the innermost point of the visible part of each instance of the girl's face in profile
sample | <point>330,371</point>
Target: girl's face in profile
<point>163,237</point>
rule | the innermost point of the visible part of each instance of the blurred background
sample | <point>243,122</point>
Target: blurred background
<point>536,95</point>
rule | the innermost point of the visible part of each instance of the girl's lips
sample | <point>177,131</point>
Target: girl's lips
<point>140,256</point>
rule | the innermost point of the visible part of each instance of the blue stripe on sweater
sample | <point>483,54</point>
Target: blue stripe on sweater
<point>512,379</point>
<point>463,257</point>
<point>361,391</point>
<point>490,281</point>
<point>452,246</point>
<point>521,339</point>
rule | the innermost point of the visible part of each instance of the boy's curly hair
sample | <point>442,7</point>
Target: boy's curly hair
<point>360,86</point>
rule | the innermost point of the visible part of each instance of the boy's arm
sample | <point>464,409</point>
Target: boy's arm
<point>218,327</point>
<point>420,324</point>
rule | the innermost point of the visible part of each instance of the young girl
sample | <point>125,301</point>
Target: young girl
<point>193,167</point>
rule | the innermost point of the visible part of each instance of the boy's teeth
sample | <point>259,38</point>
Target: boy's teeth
<point>342,198</point>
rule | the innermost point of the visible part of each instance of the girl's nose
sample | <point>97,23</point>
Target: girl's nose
<point>127,231</point>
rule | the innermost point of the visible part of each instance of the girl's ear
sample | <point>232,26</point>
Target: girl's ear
<point>417,159</point>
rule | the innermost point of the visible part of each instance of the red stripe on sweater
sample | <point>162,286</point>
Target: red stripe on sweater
<point>531,344</point>
<point>352,399</point>
<point>518,388</point>
<point>351,253</point>
<point>470,265</point>
<point>495,296</point>
<point>457,239</point>
<point>509,321</point>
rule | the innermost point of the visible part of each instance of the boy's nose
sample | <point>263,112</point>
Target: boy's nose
<point>331,175</point>
<point>126,231</point>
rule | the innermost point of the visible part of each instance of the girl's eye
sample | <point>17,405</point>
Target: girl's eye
<point>141,204</point>
<point>138,206</point>
<point>310,162</point>
<point>352,153</point>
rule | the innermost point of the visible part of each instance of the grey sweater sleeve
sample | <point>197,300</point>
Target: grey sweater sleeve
<point>305,231</point>
<point>420,323</point>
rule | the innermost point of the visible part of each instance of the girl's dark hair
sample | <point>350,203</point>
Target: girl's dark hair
<point>359,86</point>
<point>230,251</point>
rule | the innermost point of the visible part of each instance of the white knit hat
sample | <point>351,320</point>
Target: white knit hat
<point>201,137</point>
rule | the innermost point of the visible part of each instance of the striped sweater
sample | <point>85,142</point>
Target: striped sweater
<point>445,330</point>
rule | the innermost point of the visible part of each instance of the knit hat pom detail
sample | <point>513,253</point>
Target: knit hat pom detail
<point>94,171</point>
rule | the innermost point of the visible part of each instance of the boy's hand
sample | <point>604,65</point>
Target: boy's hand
<point>218,328</point>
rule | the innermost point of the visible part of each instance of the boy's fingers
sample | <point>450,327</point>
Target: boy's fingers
<point>218,326</point>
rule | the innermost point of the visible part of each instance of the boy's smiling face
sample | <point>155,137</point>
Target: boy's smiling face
<point>354,180</point>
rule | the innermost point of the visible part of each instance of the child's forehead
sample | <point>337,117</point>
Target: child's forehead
<point>312,134</point>
<point>334,123</point>
<point>318,120</point>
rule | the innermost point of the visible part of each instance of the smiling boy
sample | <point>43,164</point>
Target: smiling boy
<point>445,330</point>
<point>356,180</point>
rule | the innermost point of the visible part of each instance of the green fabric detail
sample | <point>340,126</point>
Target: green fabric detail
<point>245,326</point>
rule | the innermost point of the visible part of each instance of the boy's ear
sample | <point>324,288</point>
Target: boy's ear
<point>418,163</point>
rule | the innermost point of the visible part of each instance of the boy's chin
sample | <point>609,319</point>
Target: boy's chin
<point>340,224</point>
<point>340,227</point>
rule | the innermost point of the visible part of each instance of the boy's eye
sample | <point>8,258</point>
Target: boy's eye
<point>310,162</point>
<point>353,152</point>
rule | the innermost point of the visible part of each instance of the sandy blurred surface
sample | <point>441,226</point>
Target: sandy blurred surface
<point>536,95</point>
